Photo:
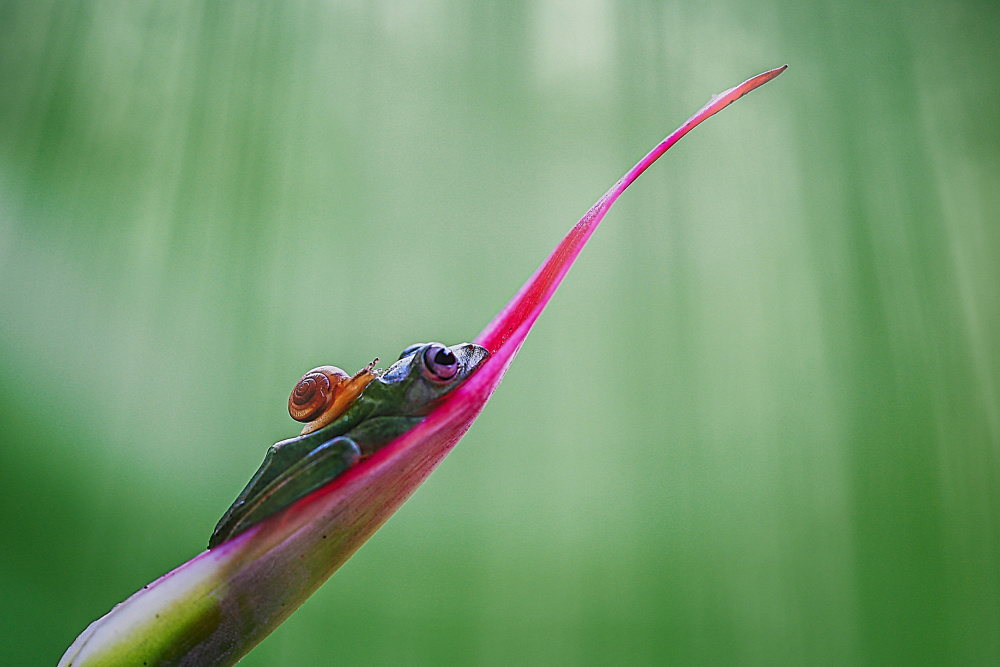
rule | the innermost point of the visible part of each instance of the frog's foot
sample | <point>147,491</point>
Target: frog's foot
<point>318,467</point>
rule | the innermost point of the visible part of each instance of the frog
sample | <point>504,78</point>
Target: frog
<point>389,404</point>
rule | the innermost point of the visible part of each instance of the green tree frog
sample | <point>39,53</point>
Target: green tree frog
<point>350,418</point>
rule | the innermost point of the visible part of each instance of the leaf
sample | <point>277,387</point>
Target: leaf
<point>216,607</point>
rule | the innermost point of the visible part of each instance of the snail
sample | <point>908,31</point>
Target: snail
<point>325,392</point>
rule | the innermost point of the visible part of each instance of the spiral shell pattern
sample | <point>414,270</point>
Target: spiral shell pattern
<point>315,392</point>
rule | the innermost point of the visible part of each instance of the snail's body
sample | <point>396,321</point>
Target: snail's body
<point>389,405</point>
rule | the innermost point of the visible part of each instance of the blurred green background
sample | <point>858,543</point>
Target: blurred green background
<point>758,424</point>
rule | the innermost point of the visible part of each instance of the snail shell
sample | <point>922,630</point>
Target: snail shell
<point>325,393</point>
<point>315,392</point>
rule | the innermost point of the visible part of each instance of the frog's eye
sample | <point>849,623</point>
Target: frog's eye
<point>410,350</point>
<point>440,363</point>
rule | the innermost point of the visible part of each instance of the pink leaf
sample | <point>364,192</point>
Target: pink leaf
<point>216,607</point>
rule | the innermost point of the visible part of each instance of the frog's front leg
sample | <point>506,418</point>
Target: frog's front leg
<point>312,471</point>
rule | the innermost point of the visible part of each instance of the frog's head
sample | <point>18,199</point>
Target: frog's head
<point>424,373</point>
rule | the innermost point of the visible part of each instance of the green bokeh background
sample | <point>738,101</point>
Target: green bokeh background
<point>759,423</point>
